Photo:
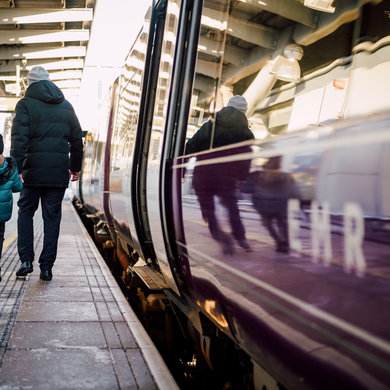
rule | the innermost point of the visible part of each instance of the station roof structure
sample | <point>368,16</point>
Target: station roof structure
<point>50,33</point>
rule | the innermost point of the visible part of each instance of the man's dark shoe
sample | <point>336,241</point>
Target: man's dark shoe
<point>25,269</point>
<point>46,274</point>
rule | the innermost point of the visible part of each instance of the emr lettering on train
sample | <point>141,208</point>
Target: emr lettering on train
<point>321,234</point>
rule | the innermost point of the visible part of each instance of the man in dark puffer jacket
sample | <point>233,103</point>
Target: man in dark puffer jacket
<point>44,131</point>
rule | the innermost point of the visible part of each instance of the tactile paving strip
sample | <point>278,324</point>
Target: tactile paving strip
<point>12,288</point>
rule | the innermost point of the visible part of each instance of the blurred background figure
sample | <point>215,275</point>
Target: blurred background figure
<point>271,189</point>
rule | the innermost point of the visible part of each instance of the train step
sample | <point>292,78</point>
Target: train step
<point>152,278</point>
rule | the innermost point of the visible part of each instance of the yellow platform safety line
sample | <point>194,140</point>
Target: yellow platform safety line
<point>9,240</point>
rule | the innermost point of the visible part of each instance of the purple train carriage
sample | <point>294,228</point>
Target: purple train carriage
<point>304,301</point>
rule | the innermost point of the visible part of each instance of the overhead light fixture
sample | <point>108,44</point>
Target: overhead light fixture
<point>320,5</point>
<point>286,67</point>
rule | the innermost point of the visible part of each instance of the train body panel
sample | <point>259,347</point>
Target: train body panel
<point>291,262</point>
<point>332,276</point>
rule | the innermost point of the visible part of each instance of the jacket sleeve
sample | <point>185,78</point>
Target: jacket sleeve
<point>76,144</point>
<point>200,140</point>
<point>17,184</point>
<point>20,133</point>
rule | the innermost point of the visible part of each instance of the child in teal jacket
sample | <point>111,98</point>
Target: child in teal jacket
<point>9,182</point>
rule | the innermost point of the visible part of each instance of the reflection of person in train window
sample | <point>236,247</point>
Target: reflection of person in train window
<point>223,179</point>
<point>271,189</point>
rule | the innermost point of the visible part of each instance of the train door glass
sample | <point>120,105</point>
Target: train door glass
<point>124,133</point>
<point>208,94</point>
<point>157,134</point>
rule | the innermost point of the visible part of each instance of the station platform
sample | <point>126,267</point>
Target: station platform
<point>76,331</point>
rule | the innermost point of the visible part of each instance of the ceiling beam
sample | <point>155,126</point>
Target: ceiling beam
<point>203,85</point>
<point>232,54</point>
<point>254,33</point>
<point>14,52</point>
<point>34,15</point>
<point>8,78</point>
<point>256,60</point>
<point>237,28</point>
<point>289,9</point>
<point>14,37</point>
<point>75,83</point>
<point>208,68</point>
<point>10,67</point>
<point>71,84</point>
<point>346,12</point>
<point>8,103</point>
<point>66,75</point>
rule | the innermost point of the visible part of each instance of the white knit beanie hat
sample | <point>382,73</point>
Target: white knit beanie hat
<point>37,73</point>
<point>238,102</point>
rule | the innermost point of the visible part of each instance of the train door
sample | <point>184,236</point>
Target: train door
<point>150,132</point>
<point>175,43</point>
<point>130,136</point>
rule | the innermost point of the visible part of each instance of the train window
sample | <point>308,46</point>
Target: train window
<point>244,50</point>
<point>207,94</point>
<point>164,77</point>
<point>128,100</point>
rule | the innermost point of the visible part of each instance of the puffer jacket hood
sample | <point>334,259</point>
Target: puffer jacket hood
<point>231,127</point>
<point>7,169</point>
<point>45,91</point>
<point>230,117</point>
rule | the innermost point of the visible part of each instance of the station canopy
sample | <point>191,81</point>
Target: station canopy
<point>50,33</point>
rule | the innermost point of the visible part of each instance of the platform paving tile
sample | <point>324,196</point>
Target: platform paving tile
<point>65,281</point>
<point>139,369</point>
<point>102,294</point>
<point>125,335</point>
<point>112,338</point>
<point>61,335</point>
<point>97,294</point>
<point>8,308</point>
<point>115,313</point>
<point>58,311</point>
<point>69,253</point>
<point>37,292</point>
<point>123,370</point>
<point>92,281</point>
<point>69,270</point>
<point>91,270</point>
<point>106,292</point>
<point>88,368</point>
<point>104,314</point>
<point>9,292</point>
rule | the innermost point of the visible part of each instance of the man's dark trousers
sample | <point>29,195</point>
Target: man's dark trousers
<point>51,203</point>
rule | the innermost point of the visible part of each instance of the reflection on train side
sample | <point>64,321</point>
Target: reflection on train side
<point>312,203</point>
<point>316,212</point>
